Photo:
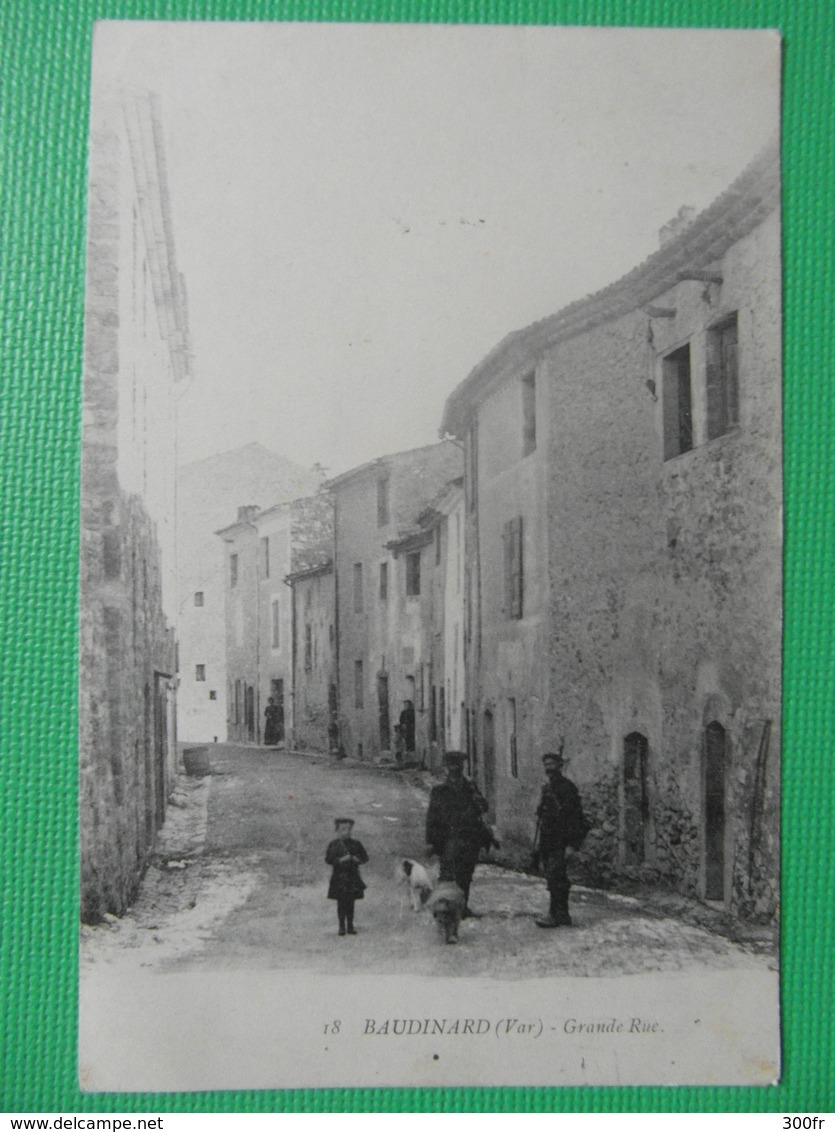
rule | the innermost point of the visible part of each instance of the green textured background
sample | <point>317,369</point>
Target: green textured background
<point>44,90</point>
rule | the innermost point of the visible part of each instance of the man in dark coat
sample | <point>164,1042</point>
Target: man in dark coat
<point>454,826</point>
<point>560,825</point>
<point>345,855</point>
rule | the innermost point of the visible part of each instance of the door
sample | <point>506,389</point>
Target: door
<point>488,742</point>
<point>635,799</point>
<point>714,795</point>
<point>160,745</point>
<point>249,712</point>
<point>383,715</point>
<point>277,693</point>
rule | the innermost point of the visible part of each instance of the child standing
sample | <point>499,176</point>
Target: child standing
<point>345,855</point>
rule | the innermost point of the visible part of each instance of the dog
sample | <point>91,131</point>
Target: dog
<point>414,875</point>
<point>447,907</point>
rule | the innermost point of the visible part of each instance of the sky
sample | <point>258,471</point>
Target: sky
<point>363,211</point>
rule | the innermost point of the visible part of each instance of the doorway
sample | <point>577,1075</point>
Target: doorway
<point>277,693</point>
<point>488,744</point>
<point>249,713</point>
<point>715,755</point>
<point>635,798</point>
<point>383,713</point>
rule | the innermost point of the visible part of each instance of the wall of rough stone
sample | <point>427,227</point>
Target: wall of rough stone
<point>127,737</point>
<point>127,729</point>
<point>665,578</point>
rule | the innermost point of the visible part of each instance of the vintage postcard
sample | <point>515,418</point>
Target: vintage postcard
<point>431,557</point>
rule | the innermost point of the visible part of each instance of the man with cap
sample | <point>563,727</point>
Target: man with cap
<point>454,827</point>
<point>560,824</point>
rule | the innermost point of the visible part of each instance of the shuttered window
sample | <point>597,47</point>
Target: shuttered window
<point>722,378</point>
<point>677,403</point>
<point>513,568</point>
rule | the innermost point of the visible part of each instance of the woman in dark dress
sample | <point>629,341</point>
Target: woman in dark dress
<point>272,715</point>
<point>345,855</point>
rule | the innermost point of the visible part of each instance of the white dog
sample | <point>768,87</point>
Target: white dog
<point>414,875</point>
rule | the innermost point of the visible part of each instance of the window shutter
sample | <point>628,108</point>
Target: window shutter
<point>512,535</point>
<point>713,383</point>
<point>730,339</point>
<point>669,406</point>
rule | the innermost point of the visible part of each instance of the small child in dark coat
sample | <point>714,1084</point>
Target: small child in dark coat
<point>345,855</point>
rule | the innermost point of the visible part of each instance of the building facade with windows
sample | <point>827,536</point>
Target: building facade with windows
<point>384,563</point>
<point>624,547</point>
<point>261,548</point>
<point>136,362</point>
<point>208,491</point>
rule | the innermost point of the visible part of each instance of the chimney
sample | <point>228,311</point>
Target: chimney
<point>248,512</point>
<point>678,223</point>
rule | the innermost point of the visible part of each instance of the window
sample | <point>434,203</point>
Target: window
<point>513,578</point>
<point>437,536</point>
<point>512,746</point>
<point>233,570</point>
<point>382,502</point>
<point>265,557</point>
<point>198,598</point>
<point>528,414</point>
<point>212,695</point>
<point>384,581</point>
<point>722,379</point>
<point>275,624</point>
<point>677,403</point>
<point>413,574</point>
<point>308,648</point>
<point>359,691</point>
<point>357,587</point>
<point>200,672</point>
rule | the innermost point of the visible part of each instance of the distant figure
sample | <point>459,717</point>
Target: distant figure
<point>345,855</point>
<point>455,829</point>
<point>272,723</point>
<point>560,825</point>
<point>407,727</point>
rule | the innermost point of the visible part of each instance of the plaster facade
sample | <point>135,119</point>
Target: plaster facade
<point>384,561</point>
<point>261,549</point>
<point>314,688</point>
<point>208,492</point>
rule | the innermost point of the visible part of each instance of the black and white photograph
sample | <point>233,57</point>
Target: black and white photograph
<point>431,557</point>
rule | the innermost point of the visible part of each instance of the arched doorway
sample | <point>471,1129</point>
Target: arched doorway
<point>715,758</point>
<point>635,798</point>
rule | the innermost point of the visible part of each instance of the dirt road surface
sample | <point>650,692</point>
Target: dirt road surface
<point>239,882</point>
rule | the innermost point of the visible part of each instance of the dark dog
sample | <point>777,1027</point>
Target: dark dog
<point>447,906</point>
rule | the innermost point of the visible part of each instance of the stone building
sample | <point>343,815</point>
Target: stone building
<point>136,361</point>
<point>623,484</point>
<point>208,491</point>
<point>384,560</point>
<point>314,689</point>
<point>260,550</point>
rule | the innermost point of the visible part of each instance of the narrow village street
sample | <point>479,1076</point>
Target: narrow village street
<point>238,881</point>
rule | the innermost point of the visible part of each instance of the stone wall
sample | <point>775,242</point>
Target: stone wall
<point>666,576</point>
